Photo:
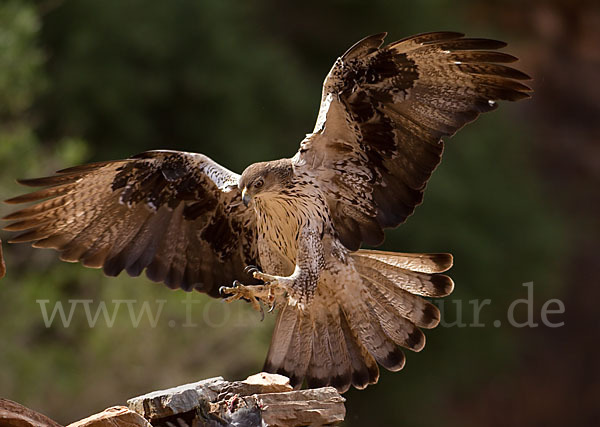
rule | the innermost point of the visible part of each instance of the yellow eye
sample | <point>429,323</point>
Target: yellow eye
<point>259,183</point>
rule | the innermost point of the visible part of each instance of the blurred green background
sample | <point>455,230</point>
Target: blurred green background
<point>515,199</point>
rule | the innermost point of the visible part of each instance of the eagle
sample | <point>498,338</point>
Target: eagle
<point>287,234</point>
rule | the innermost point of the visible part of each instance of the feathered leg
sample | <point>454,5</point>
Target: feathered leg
<point>297,289</point>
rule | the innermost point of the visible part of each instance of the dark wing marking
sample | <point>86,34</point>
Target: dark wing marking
<point>177,215</point>
<point>383,113</point>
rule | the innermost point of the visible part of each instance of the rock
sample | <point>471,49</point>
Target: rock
<point>270,383</point>
<point>117,416</point>
<point>260,400</point>
<point>317,406</point>
<point>184,398</point>
<point>262,382</point>
<point>13,414</point>
<point>177,400</point>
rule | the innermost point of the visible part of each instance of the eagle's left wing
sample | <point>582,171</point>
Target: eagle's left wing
<point>383,113</point>
<point>178,215</point>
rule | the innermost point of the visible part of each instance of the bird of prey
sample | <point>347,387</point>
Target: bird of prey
<point>288,233</point>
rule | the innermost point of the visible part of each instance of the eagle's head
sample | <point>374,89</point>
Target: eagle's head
<point>265,179</point>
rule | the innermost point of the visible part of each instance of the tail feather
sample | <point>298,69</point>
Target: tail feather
<point>418,282</point>
<point>401,330</point>
<point>370,332</point>
<point>424,263</point>
<point>299,352</point>
<point>322,365</point>
<point>340,356</point>
<point>341,336</point>
<point>419,311</point>
<point>280,341</point>
<point>364,367</point>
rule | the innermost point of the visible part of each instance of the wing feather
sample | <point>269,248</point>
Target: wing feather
<point>177,215</point>
<point>384,112</point>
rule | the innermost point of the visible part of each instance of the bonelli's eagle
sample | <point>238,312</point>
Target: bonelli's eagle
<point>291,229</point>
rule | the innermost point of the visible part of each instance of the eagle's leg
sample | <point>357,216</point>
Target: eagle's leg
<point>301,285</point>
<point>298,288</point>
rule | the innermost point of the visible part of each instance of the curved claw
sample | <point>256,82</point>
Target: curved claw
<point>223,290</point>
<point>251,269</point>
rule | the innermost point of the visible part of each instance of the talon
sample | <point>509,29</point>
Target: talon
<point>223,290</point>
<point>251,269</point>
<point>236,283</point>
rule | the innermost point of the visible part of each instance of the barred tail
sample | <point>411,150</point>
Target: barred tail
<point>351,327</point>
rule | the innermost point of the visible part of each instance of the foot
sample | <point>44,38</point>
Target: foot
<point>255,294</point>
<point>272,293</point>
<point>252,293</point>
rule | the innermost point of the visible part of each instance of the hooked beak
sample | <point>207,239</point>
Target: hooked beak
<point>246,198</point>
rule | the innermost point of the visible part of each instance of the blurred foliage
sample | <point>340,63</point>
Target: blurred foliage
<point>20,79</point>
<point>240,81</point>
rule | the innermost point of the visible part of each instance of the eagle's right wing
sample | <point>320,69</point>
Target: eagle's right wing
<point>384,112</point>
<point>178,215</point>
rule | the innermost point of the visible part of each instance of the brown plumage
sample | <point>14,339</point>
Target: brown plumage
<point>392,106</point>
<point>177,215</point>
<point>192,224</point>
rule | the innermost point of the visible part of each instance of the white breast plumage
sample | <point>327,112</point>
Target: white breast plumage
<point>280,219</point>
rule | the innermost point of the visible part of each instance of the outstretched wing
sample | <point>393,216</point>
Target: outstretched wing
<point>177,215</point>
<point>383,113</point>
